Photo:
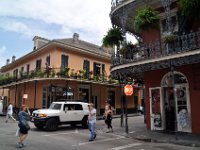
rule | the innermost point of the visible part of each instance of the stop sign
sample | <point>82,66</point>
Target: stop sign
<point>128,90</point>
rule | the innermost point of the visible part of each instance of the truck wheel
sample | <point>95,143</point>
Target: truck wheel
<point>39,126</point>
<point>52,125</point>
<point>84,122</point>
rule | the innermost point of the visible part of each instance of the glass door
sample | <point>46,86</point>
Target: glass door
<point>156,109</point>
<point>183,108</point>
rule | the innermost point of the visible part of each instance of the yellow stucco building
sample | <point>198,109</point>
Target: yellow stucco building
<point>70,69</point>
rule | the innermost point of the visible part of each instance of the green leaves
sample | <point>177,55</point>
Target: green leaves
<point>114,37</point>
<point>146,18</point>
<point>190,8</point>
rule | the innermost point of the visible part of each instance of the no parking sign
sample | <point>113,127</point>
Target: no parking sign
<point>128,90</point>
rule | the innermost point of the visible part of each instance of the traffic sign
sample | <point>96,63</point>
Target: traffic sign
<point>128,90</point>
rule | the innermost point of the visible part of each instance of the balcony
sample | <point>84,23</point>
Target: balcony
<point>56,73</point>
<point>186,46</point>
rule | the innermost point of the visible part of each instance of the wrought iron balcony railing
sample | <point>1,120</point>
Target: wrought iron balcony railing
<point>56,73</point>
<point>115,3</point>
<point>168,45</point>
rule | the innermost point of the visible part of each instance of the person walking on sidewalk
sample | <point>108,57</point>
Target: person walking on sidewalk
<point>10,113</point>
<point>92,122</point>
<point>23,124</point>
<point>108,119</point>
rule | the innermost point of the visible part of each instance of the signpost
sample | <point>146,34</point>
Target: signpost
<point>128,90</point>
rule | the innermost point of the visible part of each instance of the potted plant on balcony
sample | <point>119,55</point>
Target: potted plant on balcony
<point>39,73</point>
<point>146,23</point>
<point>91,75</point>
<point>169,38</point>
<point>64,72</point>
<point>72,74</point>
<point>82,74</point>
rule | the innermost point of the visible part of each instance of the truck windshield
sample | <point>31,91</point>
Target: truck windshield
<point>55,106</point>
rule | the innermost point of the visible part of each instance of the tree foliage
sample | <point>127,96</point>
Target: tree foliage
<point>114,37</point>
<point>190,8</point>
<point>146,18</point>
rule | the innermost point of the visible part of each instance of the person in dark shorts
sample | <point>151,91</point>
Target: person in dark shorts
<point>108,119</point>
<point>23,124</point>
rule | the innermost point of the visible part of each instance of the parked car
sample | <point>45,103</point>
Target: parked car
<point>61,113</point>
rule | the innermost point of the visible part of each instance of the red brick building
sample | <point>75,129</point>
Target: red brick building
<point>170,70</point>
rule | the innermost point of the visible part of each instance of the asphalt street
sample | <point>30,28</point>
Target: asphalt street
<point>68,138</point>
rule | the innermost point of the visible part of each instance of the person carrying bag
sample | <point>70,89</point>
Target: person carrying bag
<point>23,124</point>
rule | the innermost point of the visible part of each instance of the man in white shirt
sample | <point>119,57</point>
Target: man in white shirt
<point>10,113</point>
<point>92,122</point>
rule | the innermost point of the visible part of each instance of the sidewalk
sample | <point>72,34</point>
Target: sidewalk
<point>138,131</point>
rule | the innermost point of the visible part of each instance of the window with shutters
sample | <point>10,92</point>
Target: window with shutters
<point>86,67</point>
<point>48,60</point>
<point>38,64</point>
<point>28,69</point>
<point>15,73</point>
<point>64,61</point>
<point>97,69</point>
<point>22,72</point>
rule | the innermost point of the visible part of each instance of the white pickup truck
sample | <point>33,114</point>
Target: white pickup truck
<point>61,113</point>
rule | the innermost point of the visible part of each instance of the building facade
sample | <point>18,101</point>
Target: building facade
<point>61,69</point>
<point>169,67</point>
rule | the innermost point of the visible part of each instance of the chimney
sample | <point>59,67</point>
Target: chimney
<point>35,40</point>
<point>75,37</point>
<point>7,61</point>
<point>13,58</point>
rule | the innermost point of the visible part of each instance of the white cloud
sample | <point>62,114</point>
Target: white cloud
<point>19,27</point>
<point>88,17</point>
<point>2,59</point>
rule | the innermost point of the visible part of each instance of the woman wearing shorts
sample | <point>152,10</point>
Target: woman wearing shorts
<point>24,127</point>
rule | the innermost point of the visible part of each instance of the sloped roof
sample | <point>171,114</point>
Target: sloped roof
<point>43,43</point>
<point>84,45</point>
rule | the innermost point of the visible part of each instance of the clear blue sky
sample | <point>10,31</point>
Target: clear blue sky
<point>21,20</point>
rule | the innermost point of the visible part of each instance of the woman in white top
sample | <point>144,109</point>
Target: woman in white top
<point>10,113</point>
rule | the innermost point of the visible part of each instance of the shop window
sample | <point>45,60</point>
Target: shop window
<point>84,94</point>
<point>111,98</point>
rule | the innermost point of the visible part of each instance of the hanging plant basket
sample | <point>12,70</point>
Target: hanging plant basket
<point>145,19</point>
<point>169,38</point>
